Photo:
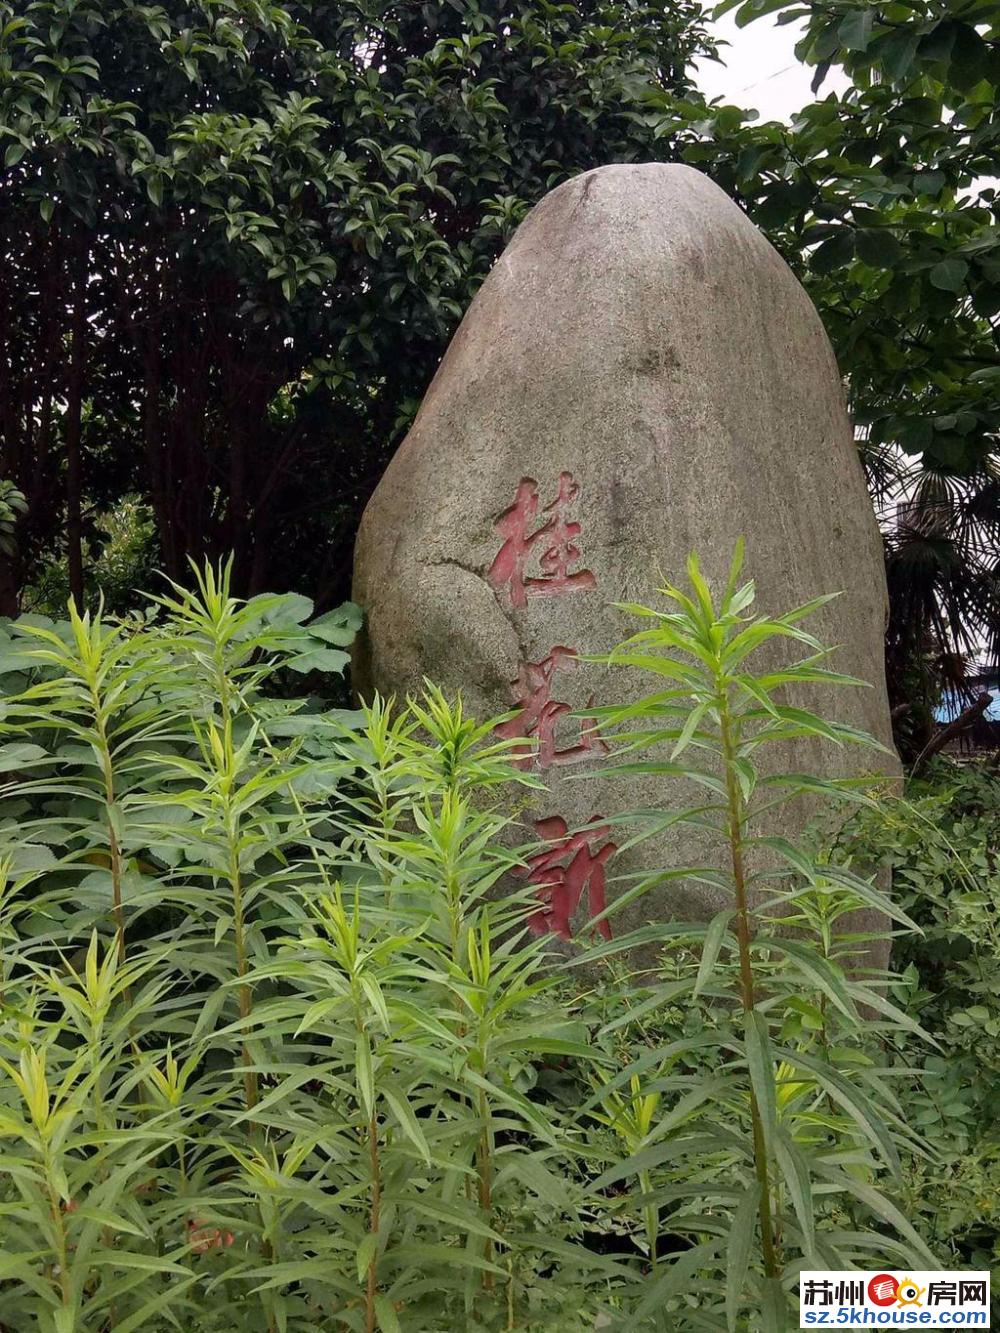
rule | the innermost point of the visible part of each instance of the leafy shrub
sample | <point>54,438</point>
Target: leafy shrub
<point>941,845</point>
<point>275,1054</point>
<point>264,1038</point>
<point>13,506</point>
<point>120,554</point>
<point>785,1131</point>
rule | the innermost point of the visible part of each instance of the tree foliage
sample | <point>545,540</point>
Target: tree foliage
<point>237,235</point>
<point>884,198</point>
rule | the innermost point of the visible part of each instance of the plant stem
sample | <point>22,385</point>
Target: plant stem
<point>59,1228</point>
<point>251,1089</point>
<point>374,1220</point>
<point>735,822</point>
<point>114,850</point>
<point>485,1170</point>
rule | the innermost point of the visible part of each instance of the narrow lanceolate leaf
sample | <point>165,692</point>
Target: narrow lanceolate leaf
<point>883,1208</point>
<point>689,728</point>
<point>760,1061</point>
<point>742,1234</point>
<point>463,1220</point>
<point>653,934</point>
<point>794,1169</point>
<point>807,672</point>
<point>689,1147</point>
<point>403,1112</point>
<point>816,971</point>
<point>848,1095</point>
<point>838,789</point>
<point>677,1278</point>
<point>701,590</point>
<point>807,723</point>
<point>653,881</point>
<point>159,1305</point>
<point>775,1314</point>
<point>714,938</point>
<point>690,1103</point>
<point>867,891</point>
<point>365,1254</point>
<point>652,1058</point>
<point>668,770</point>
<point>363,1070</point>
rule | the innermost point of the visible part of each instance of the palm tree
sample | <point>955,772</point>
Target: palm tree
<point>942,552</point>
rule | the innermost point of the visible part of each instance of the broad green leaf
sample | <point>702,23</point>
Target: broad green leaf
<point>950,274</point>
<point>855,30</point>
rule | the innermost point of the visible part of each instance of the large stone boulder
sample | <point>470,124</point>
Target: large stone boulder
<point>640,376</point>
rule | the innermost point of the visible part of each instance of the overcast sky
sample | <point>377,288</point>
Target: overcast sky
<point>760,69</point>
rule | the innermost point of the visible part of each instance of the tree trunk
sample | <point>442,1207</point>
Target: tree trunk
<point>9,586</point>
<point>152,435</point>
<point>74,426</point>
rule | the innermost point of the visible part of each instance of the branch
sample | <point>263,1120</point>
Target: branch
<point>941,738</point>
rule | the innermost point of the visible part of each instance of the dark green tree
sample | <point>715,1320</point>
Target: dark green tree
<point>237,235</point>
<point>885,200</point>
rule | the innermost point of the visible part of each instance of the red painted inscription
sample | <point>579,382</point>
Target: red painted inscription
<point>570,865</point>
<point>552,545</point>
<point>540,714</point>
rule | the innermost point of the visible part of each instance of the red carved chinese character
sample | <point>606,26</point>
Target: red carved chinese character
<point>568,866</point>
<point>540,714</point>
<point>555,541</point>
<point>507,570</point>
<point>560,550</point>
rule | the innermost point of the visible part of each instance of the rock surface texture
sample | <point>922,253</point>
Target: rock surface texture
<point>640,376</point>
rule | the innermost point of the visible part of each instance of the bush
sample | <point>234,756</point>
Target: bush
<point>940,844</point>
<point>276,1054</point>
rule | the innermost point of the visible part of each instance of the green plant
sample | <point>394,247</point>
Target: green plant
<point>879,195</point>
<point>280,1051</point>
<point>287,1033</point>
<point>236,240</point>
<point>940,844</point>
<point>12,505</point>
<point>119,557</point>
<point>796,1117</point>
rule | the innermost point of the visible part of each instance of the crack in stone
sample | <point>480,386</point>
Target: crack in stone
<point>457,564</point>
<point>522,646</point>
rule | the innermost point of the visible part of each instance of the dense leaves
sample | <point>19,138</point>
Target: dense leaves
<point>237,235</point>
<point>281,1046</point>
<point>787,967</point>
<point>941,846</point>
<point>885,199</point>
